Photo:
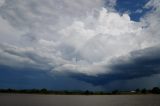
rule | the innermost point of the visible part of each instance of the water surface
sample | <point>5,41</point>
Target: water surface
<point>78,100</point>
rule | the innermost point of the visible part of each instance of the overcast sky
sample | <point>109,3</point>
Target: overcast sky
<point>79,44</point>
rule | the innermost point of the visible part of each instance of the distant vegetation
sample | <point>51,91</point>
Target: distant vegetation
<point>155,90</point>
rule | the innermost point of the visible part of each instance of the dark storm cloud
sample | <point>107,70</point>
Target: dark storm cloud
<point>86,39</point>
<point>33,78</point>
<point>139,64</point>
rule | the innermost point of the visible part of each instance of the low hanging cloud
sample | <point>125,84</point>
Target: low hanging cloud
<point>82,37</point>
<point>141,63</point>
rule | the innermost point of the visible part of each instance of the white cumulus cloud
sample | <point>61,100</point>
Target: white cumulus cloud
<point>79,36</point>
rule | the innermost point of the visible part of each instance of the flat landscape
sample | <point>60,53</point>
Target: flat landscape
<point>78,100</point>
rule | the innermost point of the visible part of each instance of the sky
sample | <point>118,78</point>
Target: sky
<point>79,44</point>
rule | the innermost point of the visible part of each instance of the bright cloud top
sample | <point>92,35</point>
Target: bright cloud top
<point>71,36</point>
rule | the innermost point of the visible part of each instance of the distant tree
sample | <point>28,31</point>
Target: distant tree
<point>86,92</point>
<point>35,90</point>
<point>65,92</point>
<point>115,92</point>
<point>143,91</point>
<point>44,90</point>
<point>137,90</point>
<point>101,92</point>
<point>156,90</point>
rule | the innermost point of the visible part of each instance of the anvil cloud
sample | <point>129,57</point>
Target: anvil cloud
<point>79,37</point>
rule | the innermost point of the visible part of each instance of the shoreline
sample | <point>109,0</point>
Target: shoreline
<point>73,94</point>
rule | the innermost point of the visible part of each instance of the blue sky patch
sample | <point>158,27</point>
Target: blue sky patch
<point>134,7</point>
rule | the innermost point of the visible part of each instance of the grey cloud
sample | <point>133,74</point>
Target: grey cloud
<point>141,63</point>
<point>55,37</point>
<point>22,58</point>
<point>77,36</point>
<point>25,13</point>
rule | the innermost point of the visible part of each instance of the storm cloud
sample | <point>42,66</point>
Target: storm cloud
<point>139,64</point>
<point>88,40</point>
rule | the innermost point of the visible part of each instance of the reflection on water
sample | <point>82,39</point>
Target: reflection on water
<point>78,100</point>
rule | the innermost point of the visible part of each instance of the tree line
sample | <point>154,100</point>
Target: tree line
<point>155,90</point>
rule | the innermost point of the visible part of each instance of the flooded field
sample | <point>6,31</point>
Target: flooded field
<point>78,100</point>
